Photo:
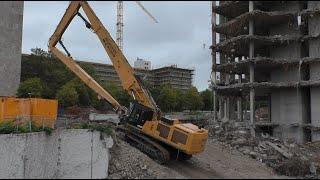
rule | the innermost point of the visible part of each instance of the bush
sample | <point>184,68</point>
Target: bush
<point>32,86</point>
<point>9,127</point>
<point>67,95</point>
<point>48,130</point>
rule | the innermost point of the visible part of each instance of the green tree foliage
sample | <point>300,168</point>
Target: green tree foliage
<point>193,100</point>
<point>67,95</point>
<point>118,93</point>
<point>51,71</point>
<point>181,100</point>
<point>30,88</point>
<point>41,52</point>
<point>54,74</point>
<point>167,99</point>
<point>207,99</point>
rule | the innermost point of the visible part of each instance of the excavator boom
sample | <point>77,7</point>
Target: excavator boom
<point>126,74</point>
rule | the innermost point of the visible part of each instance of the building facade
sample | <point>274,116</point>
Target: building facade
<point>178,78</point>
<point>275,44</point>
<point>142,64</point>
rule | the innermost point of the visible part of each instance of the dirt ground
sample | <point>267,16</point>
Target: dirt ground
<point>218,162</point>
<point>215,162</point>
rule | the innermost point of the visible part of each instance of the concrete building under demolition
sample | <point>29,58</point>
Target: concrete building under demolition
<point>178,78</point>
<point>269,59</point>
<point>11,17</point>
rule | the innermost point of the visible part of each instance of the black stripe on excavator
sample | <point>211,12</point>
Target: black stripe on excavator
<point>88,25</point>
<point>65,49</point>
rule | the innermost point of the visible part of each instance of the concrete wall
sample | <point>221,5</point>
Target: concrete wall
<point>287,105</point>
<point>11,17</point>
<point>75,153</point>
<point>314,51</point>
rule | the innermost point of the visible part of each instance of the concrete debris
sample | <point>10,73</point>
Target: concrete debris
<point>127,162</point>
<point>282,150</point>
<point>113,118</point>
<point>285,157</point>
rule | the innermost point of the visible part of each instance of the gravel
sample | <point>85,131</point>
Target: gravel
<point>128,162</point>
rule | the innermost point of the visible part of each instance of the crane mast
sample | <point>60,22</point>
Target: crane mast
<point>120,24</point>
<point>120,21</point>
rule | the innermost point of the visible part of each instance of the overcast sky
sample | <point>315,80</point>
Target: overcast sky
<point>178,38</point>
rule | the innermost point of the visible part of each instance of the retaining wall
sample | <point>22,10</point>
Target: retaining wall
<point>74,153</point>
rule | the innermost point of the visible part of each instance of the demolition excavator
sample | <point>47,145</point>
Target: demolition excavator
<point>142,125</point>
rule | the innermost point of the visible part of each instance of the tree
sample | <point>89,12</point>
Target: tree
<point>30,88</point>
<point>67,95</point>
<point>193,100</point>
<point>40,52</point>
<point>118,93</point>
<point>167,99</point>
<point>181,100</point>
<point>84,98</point>
<point>54,74</point>
<point>207,100</point>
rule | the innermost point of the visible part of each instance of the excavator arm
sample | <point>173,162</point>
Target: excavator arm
<point>126,74</point>
<point>69,61</point>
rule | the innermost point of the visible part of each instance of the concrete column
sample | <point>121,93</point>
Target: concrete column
<point>239,103</point>
<point>225,104</point>
<point>221,108</point>
<point>213,54</point>
<point>314,52</point>
<point>11,17</point>
<point>251,55</point>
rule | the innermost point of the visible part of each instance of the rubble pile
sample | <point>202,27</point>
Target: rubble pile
<point>76,112</point>
<point>127,162</point>
<point>285,157</point>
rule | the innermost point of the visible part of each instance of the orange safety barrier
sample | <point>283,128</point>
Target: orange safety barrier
<point>42,112</point>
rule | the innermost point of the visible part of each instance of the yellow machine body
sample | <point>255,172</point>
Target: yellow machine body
<point>186,137</point>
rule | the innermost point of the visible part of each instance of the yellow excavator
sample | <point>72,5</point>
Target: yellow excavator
<point>142,124</point>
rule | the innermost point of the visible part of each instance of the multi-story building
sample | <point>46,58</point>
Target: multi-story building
<point>179,78</point>
<point>275,44</point>
<point>142,64</point>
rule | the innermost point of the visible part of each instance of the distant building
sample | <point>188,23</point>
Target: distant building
<point>142,64</point>
<point>178,78</point>
<point>105,72</point>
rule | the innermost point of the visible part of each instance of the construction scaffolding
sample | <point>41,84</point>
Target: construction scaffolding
<point>268,52</point>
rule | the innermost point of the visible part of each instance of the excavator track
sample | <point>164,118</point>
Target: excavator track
<point>148,146</point>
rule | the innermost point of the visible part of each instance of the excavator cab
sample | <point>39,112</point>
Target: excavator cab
<point>139,114</point>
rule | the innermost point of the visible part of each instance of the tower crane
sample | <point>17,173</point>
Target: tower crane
<point>120,21</point>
